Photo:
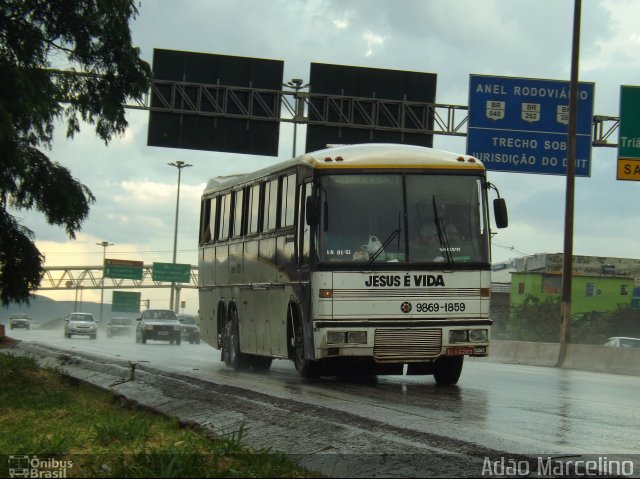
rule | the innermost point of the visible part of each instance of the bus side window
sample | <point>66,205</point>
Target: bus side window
<point>287,204</point>
<point>253,210</point>
<point>205,221</point>
<point>270,205</point>
<point>215,218</point>
<point>238,205</point>
<point>224,215</point>
<point>304,231</point>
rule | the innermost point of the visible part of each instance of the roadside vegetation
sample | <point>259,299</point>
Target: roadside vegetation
<point>62,421</point>
<point>539,320</point>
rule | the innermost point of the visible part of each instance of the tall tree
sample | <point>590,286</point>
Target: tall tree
<point>103,70</point>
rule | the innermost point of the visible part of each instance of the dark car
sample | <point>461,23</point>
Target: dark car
<point>20,321</point>
<point>80,324</point>
<point>190,328</point>
<point>158,325</point>
<point>119,326</point>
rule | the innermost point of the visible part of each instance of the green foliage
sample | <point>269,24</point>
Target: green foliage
<point>114,427</point>
<point>104,70</point>
<point>16,369</point>
<point>537,320</point>
<point>44,414</point>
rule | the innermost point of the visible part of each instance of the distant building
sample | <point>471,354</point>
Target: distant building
<point>501,290</point>
<point>599,284</point>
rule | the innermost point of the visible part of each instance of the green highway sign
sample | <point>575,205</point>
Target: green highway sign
<point>629,134</point>
<point>123,269</point>
<point>125,302</point>
<point>172,272</point>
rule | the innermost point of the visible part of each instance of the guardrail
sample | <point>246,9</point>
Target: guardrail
<point>585,357</point>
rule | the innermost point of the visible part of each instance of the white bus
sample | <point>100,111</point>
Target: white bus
<point>361,259</point>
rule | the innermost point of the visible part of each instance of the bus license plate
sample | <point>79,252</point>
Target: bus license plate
<point>460,351</point>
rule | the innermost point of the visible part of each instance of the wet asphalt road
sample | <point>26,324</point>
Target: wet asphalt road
<point>495,409</point>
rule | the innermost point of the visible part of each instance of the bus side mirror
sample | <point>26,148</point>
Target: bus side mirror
<point>312,210</point>
<point>500,213</point>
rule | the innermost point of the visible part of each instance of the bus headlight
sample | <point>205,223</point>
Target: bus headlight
<point>346,337</point>
<point>458,336</point>
<point>336,337</point>
<point>478,335</point>
<point>359,337</point>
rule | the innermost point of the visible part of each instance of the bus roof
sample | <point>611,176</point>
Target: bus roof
<point>368,155</point>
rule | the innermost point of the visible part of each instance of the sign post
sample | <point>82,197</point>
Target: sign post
<point>172,272</point>
<point>123,269</point>
<point>629,134</point>
<point>125,302</point>
<point>521,124</point>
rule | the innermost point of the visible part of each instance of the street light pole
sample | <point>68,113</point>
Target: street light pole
<point>179,165</point>
<point>296,85</point>
<point>104,245</point>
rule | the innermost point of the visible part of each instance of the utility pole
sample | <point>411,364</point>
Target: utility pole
<point>104,245</point>
<point>179,165</point>
<point>567,266</point>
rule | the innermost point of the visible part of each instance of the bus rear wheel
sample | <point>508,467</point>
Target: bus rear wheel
<point>446,370</point>
<point>233,358</point>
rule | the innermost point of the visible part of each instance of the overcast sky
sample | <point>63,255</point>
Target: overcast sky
<point>136,189</point>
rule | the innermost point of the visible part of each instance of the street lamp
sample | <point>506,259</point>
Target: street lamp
<point>296,85</point>
<point>104,245</point>
<point>179,165</point>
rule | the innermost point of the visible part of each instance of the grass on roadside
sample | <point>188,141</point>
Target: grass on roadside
<point>47,414</point>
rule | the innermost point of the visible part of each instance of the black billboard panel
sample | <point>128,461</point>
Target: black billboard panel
<point>198,74</point>
<point>359,117</point>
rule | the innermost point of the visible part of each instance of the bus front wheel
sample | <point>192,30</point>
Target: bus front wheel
<point>306,368</point>
<point>446,370</point>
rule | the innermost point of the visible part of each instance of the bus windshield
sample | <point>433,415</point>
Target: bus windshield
<point>402,218</point>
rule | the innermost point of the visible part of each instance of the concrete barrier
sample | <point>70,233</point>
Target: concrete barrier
<point>586,357</point>
<point>599,358</point>
<point>521,352</point>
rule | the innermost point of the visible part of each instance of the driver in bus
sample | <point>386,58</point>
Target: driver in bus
<point>428,230</point>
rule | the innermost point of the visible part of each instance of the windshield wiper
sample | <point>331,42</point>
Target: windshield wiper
<point>389,239</point>
<point>442,234</point>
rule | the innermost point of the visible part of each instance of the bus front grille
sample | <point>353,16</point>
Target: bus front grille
<point>411,344</point>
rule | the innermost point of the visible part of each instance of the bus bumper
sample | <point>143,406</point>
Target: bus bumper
<point>402,344</point>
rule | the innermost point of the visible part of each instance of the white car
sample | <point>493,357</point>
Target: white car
<point>80,324</point>
<point>158,325</point>
<point>622,342</point>
<point>20,321</point>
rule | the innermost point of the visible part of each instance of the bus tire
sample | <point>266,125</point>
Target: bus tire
<point>221,321</point>
<point>446,370</point>
<point>233,358</point>
<point>307,368</point>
